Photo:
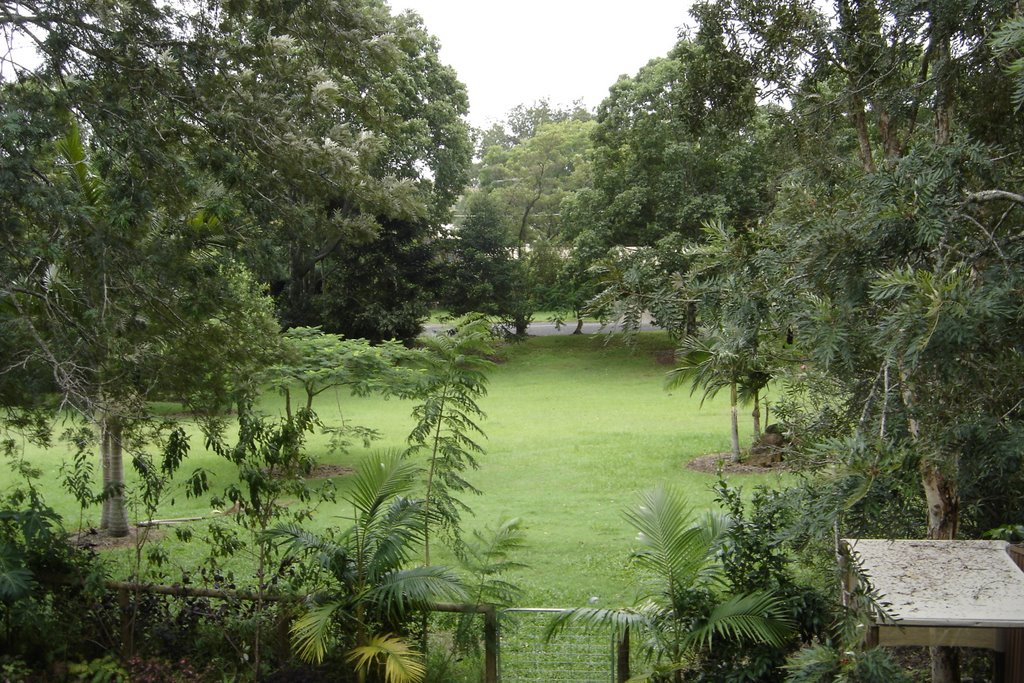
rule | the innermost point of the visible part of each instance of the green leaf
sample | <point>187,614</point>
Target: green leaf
<point>15,578</point>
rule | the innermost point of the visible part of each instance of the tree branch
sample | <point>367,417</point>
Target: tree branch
<point>994,195</point>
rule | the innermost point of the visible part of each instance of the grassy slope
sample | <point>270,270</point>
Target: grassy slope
<point>575,429</point>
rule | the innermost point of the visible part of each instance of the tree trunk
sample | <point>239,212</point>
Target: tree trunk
<point>945,664</point>
<point>860,122</point>
<point>735,424</point>
<point>940,492</point>
<point>114,518</point>
<point>855,22</point>
<point>944,84</point>
<point>107,475</point>
<point>887,131</point>
<point>943,520</point>
<point>579,325</point>
<point>756,414</point>
<point>943,502</point>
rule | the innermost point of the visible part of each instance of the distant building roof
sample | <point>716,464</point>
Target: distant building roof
<point>945,583</point>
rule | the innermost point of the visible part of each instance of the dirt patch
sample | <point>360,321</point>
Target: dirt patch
<point>94,539</point>
<point>712,462</point>
<point>665,357</point>
<point>327,471</point>
<point>322,471</point>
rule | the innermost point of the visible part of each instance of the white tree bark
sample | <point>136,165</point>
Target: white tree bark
<point>114,518</point>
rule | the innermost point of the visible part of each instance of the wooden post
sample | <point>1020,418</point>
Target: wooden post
<point>125,607</point>
<point>622,658</point>
<point>1013,657</point>
<point>283,638</point>
<point>491,644</point>
<point>871,637</point>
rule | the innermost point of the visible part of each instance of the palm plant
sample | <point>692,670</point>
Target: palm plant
<point>726,274</point>
<point>720,357</point>
<point>687,603</point>
<point>372,593</point>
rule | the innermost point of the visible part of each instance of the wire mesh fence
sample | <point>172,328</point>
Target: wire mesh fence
<point>575,655</point>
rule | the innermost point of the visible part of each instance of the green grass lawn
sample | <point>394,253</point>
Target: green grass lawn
<point>576,426</point>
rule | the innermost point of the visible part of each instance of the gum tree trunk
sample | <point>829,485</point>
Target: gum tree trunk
<point>114,518</point>
<point>943,520</point>
<point>735,423</point>
<point>756,414</point>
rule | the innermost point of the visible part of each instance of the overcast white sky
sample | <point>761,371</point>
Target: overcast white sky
<point>510,53</point>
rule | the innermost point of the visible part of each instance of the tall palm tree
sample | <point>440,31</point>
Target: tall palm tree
<point>687,603</point>
<point>371,591</point>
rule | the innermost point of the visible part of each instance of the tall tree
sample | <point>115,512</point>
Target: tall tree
<point>331,144</point>
<point>678,143</point>
<point>530,179</point>
<point>528,168</point>
<point>120,305</point>
<point>219,133</point>
<point>895,235</point>
<point>483,274</point>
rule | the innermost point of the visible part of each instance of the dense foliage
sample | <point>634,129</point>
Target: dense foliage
<point>879,280</point>
<point>823,200</point>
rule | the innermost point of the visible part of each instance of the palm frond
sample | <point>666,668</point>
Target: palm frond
<point>391,535</point>
<point>72,149</point>
<point>330,555</point>
<point>402,664</point>
<point>396,592</point>
<point>589,618</point>
<point>312,632</point>
<point>702,364</point>
<point>673,545</point>
<point>757,617</point>
<point>379,478</point>
<point>296,540</point>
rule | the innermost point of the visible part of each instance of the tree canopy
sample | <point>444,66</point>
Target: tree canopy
<point>162,161</point>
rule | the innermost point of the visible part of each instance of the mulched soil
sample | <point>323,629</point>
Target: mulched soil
<point>96,540</point>
<point>328,471</point>
<point>710,464</point>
